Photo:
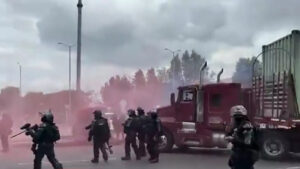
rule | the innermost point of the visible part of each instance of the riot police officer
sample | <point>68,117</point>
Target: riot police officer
<point>153,134</point>
<point>100,133</point>
<point>130,129</point>
<point>243,138</point>
<point>44,138</point>
<point>142,120</point>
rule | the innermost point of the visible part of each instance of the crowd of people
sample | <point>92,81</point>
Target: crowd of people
<point>146,129</point>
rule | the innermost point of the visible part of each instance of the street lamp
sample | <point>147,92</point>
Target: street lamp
<point>70,50</point>
<point>20,78</point>
<point>173,71</point>
<point>173,51</point>
<point>79,29</point>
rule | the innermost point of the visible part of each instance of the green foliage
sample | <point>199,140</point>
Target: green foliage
<point>139,79</point>
<point>244,69</point>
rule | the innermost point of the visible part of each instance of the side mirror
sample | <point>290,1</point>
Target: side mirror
<point>172,98</point>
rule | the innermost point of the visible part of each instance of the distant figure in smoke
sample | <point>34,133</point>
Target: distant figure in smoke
<point>117,123</point>
<point>6,124</point>
<point>142,120</point>
<point>130,129</point>
<point>153,135</point>
<point>44,138</point>
<point>100,133</point>
<point>243,137</point>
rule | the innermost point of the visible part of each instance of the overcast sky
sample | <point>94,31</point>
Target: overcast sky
<point>120,36</point>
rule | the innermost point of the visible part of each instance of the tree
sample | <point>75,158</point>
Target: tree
<point>176,71</point>
<point>139,79</point>
<point>187,67</point>
<point>163,75</point>
<point>243,71</point>
<point>125,84</point>
<point>151,77</point>
<point>197,61</point>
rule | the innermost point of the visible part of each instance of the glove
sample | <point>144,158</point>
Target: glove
<point>229,138</point>
<point>28,133</point>
<point>33,149</point>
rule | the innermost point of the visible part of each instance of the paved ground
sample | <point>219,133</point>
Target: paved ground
<point>79,157</point>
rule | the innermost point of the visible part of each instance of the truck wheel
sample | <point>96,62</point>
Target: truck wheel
<point>274,147</point>
<point>167,142</point>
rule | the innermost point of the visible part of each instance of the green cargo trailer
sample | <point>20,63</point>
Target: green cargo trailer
<point>281,56</point>
<point>276,97</point>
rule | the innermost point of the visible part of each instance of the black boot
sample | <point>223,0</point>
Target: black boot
<point>126,158</point>
<point>59,166</point>
<point>95,160</point>
<point>155,160</point>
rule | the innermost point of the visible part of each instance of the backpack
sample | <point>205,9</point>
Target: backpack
<point>53,132</point>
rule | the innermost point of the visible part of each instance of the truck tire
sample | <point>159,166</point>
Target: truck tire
<point>167,142</point>
<point>274,147</point>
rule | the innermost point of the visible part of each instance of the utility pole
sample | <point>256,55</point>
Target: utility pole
<point>78,80</point>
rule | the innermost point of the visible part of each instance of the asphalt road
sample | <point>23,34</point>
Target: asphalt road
<point>79,157</point>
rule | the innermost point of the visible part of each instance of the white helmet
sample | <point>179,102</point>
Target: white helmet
<point>238,110</point>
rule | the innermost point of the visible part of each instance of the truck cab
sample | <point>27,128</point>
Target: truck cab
<point>199,115</point>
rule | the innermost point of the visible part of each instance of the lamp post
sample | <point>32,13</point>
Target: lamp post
<point>70,99</point>
<point>79,24</point>
<point>173,51</point>
<point>173,71</point>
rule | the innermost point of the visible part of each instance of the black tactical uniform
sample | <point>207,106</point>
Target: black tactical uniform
<point>100,133</point>
<point>44,137</point>
<point>130,129</point>
<point>153,134</point>
<point>142,120</point>
<point>243,138</point>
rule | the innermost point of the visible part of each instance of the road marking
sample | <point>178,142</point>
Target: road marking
<point>65,162</point>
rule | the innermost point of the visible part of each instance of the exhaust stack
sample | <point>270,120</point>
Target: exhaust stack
<point>201,73</point>
<point>219,75</point>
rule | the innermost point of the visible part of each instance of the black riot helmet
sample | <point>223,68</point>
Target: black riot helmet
<point>153,114</point>
<point>98,114</point>
<point>131,113</point>
<point>47,117</point>
<point>140,111</point>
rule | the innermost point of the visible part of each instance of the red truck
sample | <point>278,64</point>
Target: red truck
<point>200,114</point>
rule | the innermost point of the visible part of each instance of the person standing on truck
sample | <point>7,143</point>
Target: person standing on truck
<point>243,138</point>
<point>142,119</point>
<point>153,134</point>
<point>44,138</point>
<point>100,133</point>
<point>130,129</point>
<point>6,124</point>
